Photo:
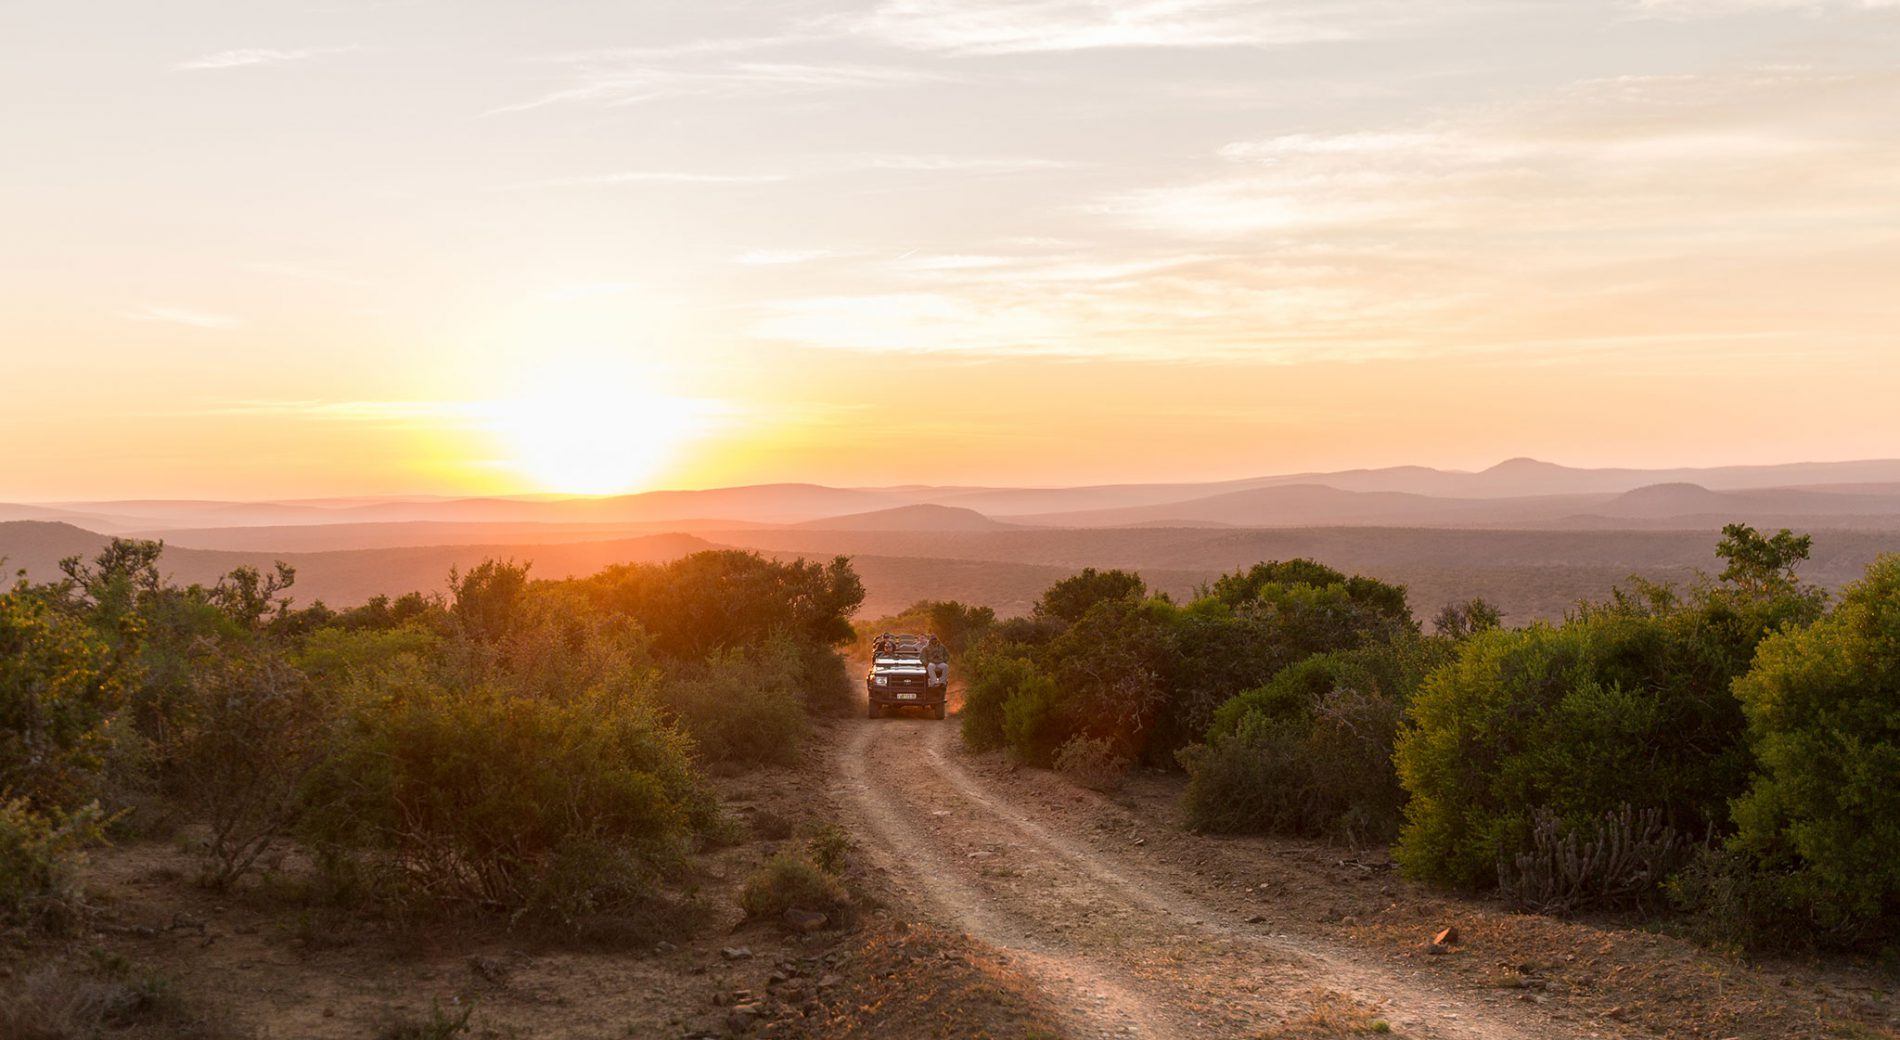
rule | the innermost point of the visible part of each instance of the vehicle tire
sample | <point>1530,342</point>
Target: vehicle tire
<point>936,711</point>
<point>874,711</point>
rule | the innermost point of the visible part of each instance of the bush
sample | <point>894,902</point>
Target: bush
<point>1627,703</point>
<point>1623,857</point>
<point>994,675</point>
<point>40,854</point>
<point>489,800</point>
<point>791,882</point>
<point>1033,722</point>
<point>59,683</point>
<point>240,756</point>
<point>1092,762</point>
<point>1072,597</point>
<point>712,601</point>
<point>1823,814</point>
<point>1730,898</point>
<point>742,706</point>
<point>1310,753</point>
<point>957,625</point>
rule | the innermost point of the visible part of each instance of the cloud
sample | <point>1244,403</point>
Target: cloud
<point>615,82</point>
<point>1027,26</point>
<point>781,257</point>
<point>185,316</point>
<point>1716,8</point>
<point>248,56</point>
<point>1622,158</point>
<point>962,163</point>
<point>608,180</point>
<point>821,166</point>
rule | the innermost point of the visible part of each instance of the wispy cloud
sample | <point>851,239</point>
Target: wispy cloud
<point>1628,155</point>
<point>185,316</point>
<point>812,167</point>
<point>781,257</point>
<point>248,56</point>
<point>623,177</point>
<point>1716,8</point>
<point>961,163</point>
<point>613,82</point>
<point>1023,26</point>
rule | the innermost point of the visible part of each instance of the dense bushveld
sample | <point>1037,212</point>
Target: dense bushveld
<point>535,750</point>
<point>1732,746</point>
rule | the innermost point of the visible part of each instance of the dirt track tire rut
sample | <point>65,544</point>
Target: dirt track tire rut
<point>1119,952</point>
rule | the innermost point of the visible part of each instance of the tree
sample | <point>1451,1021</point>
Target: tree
<point>1067,600</point>
<point>1467,619</point>
<point>1761,566</point>
<point>249,595</point>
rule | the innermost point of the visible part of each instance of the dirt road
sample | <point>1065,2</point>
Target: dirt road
<point>1121,947</point>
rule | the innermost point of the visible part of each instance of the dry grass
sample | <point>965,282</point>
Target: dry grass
<point>64,1001</point>
<point>1330,1014</point>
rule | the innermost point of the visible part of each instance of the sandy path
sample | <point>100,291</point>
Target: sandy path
<point>1120,952</point>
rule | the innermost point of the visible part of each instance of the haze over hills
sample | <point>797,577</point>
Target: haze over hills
<point>1533,536</point>
<point>345,577</point>
<point>1515,491</point>
<point>921,517</point>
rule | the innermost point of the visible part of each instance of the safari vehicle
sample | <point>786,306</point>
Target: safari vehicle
<point>907,671</point>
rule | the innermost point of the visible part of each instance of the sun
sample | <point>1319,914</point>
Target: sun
<point>593,429</point>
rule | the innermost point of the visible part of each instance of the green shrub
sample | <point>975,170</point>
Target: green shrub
<point>1627,703</point>
<point>1823,814</point>
<point>487,799</point>
<point>993,675</point>
<point>1072,597</point>
<point>742,706</point>
<point>1310,752</point>
<point>1034,725</point>
<point>333,654</point>
<point>40,854</point>
<point>239,756</point>
<point>1092,762</point>
<point>830,848</point>
<point>717,600</point>
<point>60,681</point>
<point>791,882</point>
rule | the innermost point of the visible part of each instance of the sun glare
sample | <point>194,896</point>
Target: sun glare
<point>594,431</point>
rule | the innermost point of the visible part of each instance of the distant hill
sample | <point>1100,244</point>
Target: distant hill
<point>1289,505</point>
<point>925,517</point>
<point>328,537</point>
<point>1522,490</point>
<point>343,578</point>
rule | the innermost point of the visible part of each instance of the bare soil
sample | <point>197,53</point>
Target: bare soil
<point>1133,927</point>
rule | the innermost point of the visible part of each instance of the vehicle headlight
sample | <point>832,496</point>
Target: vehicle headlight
<point>883,680</point>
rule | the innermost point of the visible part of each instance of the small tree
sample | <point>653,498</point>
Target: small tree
<point>254,733</point>
<point>1758,565</point>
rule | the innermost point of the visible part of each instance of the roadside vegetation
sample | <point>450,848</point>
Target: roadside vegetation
<point>516,749</point>
<point>1728,750</point>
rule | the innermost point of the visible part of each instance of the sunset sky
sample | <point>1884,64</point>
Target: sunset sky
<point>419,246</point>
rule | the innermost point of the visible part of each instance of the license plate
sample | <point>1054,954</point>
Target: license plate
<point>906,696</point>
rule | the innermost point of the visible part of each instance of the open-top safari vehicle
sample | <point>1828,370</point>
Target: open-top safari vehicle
<point>907,671</point>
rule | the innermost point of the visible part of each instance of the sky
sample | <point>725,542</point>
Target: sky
<point>376,247</point>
